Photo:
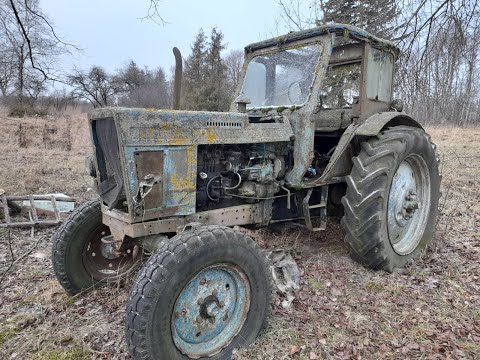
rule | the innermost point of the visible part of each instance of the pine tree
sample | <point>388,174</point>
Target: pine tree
<point>376,16</point>
<point>193,74</point>
<point>205,76</point>
<point>215,90</point>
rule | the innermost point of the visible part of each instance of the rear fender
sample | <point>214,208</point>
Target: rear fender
<point>376,123</point>
<point>341,161</point>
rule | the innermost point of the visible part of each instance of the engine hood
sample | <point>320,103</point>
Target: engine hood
<point>178,118</point>
<point>139,127</point>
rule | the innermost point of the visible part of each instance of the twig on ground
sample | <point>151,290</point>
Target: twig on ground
<point>28,252</point>
<point>10,245</point>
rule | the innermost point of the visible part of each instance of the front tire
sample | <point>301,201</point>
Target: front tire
<point>78,254</point>
<point>202,295</point>
<point>391,203</point>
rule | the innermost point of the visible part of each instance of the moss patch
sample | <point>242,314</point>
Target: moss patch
<point>6,334</point>
<point>76,353</point>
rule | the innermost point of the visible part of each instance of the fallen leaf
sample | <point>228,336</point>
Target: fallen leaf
<point>337,292</point>
<point>396,343</point>
<point>288,301</point>
<point>294,349</point>
<point>38,255</point>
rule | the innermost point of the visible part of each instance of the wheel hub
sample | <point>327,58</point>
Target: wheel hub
<point>408,204</point>
<point>103,260</point>
<point>407,208</point>
<point>109,248</point>
<point>209,307</point>
<point>210,310</point>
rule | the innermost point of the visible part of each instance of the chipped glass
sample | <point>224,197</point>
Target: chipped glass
<point>380,78</point>
<point>340,86</point>
<point>282,78</point>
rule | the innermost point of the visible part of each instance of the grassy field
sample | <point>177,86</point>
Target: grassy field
<point>431,310</point>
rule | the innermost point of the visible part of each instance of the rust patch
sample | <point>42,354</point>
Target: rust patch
<point>151,163</point>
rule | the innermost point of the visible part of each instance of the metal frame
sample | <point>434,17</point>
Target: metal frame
<point>231,216</point>
<point>34,221</point>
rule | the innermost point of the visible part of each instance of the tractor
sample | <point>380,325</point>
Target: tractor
<point>313,133</point>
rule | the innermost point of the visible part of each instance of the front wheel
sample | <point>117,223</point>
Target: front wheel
<point>391,203</point>
<point>81,260</point>
<point>202,295</point>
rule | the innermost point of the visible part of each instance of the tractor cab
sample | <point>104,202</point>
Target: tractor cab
<point>341,73</point>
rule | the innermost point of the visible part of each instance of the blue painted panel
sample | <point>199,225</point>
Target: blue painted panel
<point>179,183</point>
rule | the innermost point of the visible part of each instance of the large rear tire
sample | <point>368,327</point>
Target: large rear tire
<point>79,260</point>
<point>391,203</point>
<point>202,295</point>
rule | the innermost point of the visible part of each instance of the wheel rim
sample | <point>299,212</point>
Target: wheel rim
<point>103,268</point>
<point>408,204</point>
<point>210,310</point>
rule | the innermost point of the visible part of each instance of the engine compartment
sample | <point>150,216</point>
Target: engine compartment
<point>229,175</point>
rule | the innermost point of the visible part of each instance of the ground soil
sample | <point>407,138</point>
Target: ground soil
<point>430,310</point>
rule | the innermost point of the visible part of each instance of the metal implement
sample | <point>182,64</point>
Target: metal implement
<point>210,310</point>
<point>34,219</point>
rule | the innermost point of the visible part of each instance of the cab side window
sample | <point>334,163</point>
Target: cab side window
<point>341,86</point>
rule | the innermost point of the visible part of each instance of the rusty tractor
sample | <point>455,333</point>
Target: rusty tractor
<point>313,132</point>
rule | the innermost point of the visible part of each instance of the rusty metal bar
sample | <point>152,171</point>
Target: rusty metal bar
<point>30,224</point>
<point>55,209</point>
<point>33,215</point>
<point>177,84</point>
<point>39,197</point>
<point>5,208</point>
<point>34,210</point>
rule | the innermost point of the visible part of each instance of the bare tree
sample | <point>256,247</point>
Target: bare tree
<point>32,35</point>
<point>7,69</point>
<point>33,44</point>
<point>96,86</point>
<point>233,61</point>
<point>154,13</point>
<point>298,14</point>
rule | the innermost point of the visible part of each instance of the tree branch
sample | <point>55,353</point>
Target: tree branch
<point>27,39</point>
<point>47,22</point>
<point>153,13</point>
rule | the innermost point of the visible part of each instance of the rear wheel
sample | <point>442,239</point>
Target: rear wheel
<point>81,260</point>
<point>391,203</point>
<point>202,295</point>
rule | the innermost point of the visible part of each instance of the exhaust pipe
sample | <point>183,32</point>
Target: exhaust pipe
<point>177,83</point>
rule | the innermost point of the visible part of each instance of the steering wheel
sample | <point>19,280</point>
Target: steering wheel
<point>295,92</point>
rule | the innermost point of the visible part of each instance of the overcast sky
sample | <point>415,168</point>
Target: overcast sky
<point>111,32</point>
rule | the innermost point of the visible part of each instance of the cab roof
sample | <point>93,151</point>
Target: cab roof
<point>349,31</point>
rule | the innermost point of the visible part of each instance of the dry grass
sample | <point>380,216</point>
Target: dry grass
<point>34,160</point>
<point>431,310</point>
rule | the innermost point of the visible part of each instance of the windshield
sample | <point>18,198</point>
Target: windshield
<point>283,78</point>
